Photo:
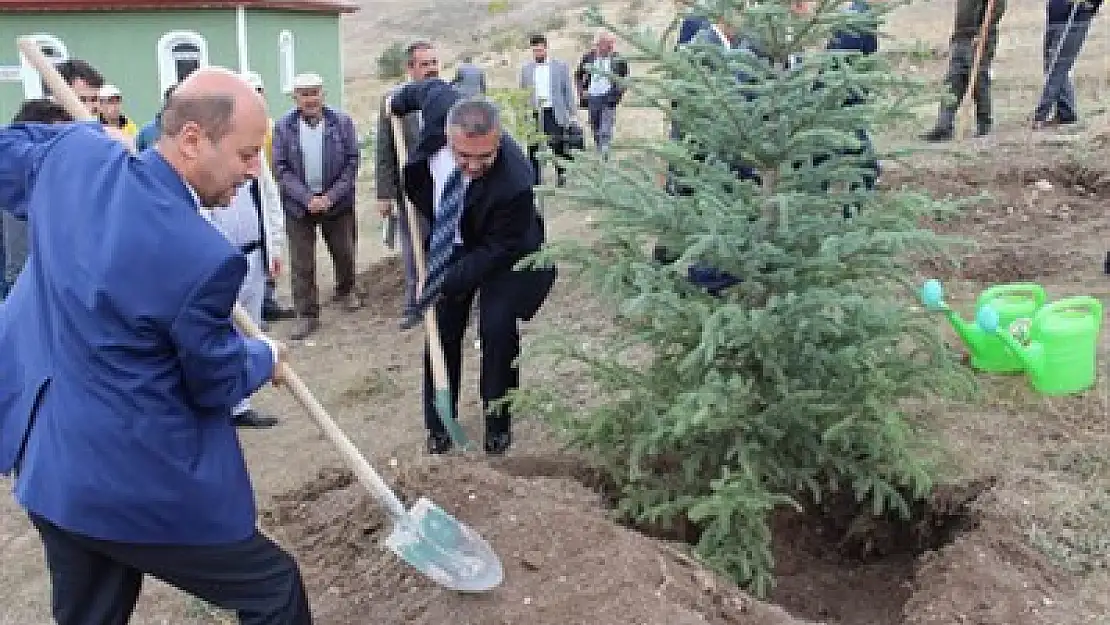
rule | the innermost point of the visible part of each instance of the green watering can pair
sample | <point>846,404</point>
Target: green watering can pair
<point>1015,331</point>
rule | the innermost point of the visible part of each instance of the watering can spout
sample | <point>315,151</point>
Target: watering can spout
<point>966,331</point>
<point>932,295</point>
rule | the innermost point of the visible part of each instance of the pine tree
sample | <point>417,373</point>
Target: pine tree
<point>721,405</point>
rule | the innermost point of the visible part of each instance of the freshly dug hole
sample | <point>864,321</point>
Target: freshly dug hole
<point>835,562</point>
<point>565,563</point>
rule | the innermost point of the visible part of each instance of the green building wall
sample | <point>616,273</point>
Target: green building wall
<point>122,45</point>
<point>317,46</point>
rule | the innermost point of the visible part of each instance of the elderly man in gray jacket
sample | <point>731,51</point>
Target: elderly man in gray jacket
<point>554,101</point>
<point>316,159</point>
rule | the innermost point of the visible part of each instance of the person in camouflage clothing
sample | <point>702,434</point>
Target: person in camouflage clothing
<point>969,19</point>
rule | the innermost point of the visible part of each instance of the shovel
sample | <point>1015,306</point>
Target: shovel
<point>432,541</point>
<point>445,405</point>
<point>425,536</point>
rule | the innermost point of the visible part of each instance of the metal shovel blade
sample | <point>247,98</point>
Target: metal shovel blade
<point>450,553</point>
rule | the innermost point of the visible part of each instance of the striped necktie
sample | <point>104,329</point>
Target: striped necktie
<point>442,246</point>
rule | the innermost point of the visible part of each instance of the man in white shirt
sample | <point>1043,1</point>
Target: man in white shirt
<point>553,99</point>
<point>253,222</point>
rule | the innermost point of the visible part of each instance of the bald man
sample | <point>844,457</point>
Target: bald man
<point>116,420</point>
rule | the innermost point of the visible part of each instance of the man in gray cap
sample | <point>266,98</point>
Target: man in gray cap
<point>316,158</point>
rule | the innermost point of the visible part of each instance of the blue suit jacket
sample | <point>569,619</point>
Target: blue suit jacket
<point>121,364</point>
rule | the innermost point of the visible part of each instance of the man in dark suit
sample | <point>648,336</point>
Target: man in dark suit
<point>121,363</point>
<point>474,183</point>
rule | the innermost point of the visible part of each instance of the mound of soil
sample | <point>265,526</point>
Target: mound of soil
<point>565,562</point>
<point>382,287</point>
<point>988,577</point>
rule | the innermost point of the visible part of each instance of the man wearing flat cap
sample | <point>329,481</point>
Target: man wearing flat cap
<point>316,158</point>
<point>111,110</point>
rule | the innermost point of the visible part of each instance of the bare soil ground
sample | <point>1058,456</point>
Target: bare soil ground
<point>1019,534</point>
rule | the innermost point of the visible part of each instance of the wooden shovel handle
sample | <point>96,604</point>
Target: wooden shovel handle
<point>977,60</point>
<point>355,460</point>
<point>58,87</point>
<point>431,325</point>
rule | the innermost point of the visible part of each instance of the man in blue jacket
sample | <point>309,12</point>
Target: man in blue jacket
<point>122,364</point>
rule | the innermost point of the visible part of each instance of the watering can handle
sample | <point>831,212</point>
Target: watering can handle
<point>1079,302</point>
<point>1018,288</point>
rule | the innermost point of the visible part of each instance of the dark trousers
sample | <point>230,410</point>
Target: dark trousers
<point>555,132</point>
<point>341,238</point>
<point>958,78</point>
<point>497,329</point>
<point>269,299</point>
<point>1059,93</point>
<point>96,582</point>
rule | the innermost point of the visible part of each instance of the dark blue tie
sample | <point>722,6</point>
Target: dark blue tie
<point>442,246</point>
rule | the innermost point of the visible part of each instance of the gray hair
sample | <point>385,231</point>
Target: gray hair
<point>211,112</point>
<point>476,116</point>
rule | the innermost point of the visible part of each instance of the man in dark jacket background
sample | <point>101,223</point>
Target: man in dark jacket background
<point>469,79</point>
<point>969,19</point>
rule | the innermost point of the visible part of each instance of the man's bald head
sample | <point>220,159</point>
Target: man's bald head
<point>210,98</point>
<point>213,127</point>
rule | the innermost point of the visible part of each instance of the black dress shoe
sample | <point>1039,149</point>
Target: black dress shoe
<point>497,443</point>
<point>439,443</point>
<point>278,313</point>
<point>252,419</point>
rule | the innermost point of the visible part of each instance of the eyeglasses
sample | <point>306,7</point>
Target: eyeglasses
<point>482,159</point>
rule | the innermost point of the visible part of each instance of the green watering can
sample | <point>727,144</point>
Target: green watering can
<point>1010,302</point>
<point>1061,355</point>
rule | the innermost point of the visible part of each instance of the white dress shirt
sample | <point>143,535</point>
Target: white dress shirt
<point>442,164</point>
<point>599,78</point>
<point>542,80</point>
